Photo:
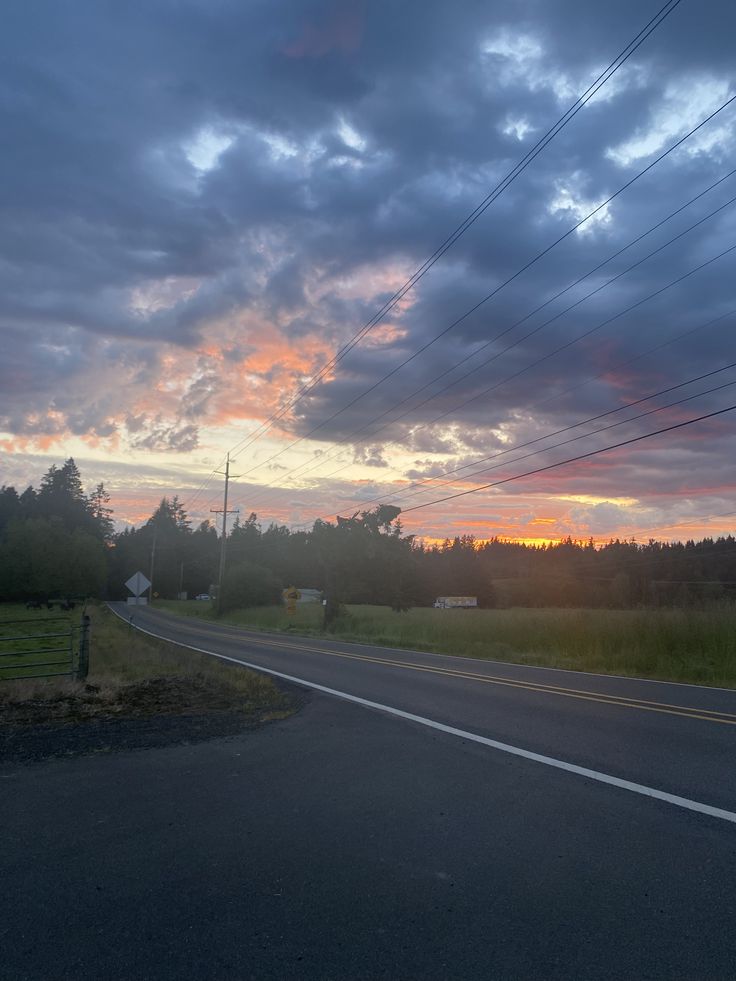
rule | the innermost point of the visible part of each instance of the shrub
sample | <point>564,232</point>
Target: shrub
<point>249,584</point>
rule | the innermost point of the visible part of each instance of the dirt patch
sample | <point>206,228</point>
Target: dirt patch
<point>151,713</point>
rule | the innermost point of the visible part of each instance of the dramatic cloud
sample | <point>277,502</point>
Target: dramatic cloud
<point>202,203</point>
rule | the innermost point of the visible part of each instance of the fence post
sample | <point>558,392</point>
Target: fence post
<point>83,665</point>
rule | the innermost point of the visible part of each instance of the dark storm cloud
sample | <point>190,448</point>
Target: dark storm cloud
<point>172,166</point>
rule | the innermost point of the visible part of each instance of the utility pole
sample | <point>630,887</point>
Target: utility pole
<point>223,544</point>
<point>153,559</point>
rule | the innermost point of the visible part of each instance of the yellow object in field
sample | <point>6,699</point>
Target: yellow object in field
<point>291,595</point>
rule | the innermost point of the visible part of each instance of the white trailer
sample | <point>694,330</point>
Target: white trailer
<point>455,602</point>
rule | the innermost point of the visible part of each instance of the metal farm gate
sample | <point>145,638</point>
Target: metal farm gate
<point>44,647</point>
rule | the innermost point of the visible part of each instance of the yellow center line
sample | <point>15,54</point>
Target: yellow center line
<point>707,715</point>
<point>624,702</point>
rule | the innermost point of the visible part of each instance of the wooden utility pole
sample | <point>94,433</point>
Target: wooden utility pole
<point>153,560</point>
<point>223,544</point>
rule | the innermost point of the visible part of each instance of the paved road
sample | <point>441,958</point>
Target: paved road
<point>677,739</point>
<point>349,843</point>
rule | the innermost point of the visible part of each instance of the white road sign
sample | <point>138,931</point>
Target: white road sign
<point>138,584</point>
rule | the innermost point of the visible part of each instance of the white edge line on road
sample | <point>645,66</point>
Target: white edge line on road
<point>581,771</point>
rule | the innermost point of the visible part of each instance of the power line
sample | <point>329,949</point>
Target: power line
<point>602,429</point>
<point>574,459</point>
<point>541,306</point>
<point>188,501</point>
<point>580,337</point>
<point>486,391</point>
<point>312,464</point>
<point>497,289</point>
<point>411,491</point>
<point>573,388</point>
<point>408,492</point>
<point>551,133</point>
<point>575,340</point>
<point>623,364</point>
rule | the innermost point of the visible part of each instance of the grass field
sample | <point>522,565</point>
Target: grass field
<point>37,642</point>
<point>696,646</point>
<point>117,652</point>
<point>120,655</point>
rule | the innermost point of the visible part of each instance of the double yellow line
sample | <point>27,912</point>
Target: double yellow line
<point>706,715</point>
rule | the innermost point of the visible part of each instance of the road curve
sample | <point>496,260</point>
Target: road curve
<point>675,741</point>
<point>347,843</point>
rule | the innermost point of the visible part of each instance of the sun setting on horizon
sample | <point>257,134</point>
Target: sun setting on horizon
<point>368,490</point>
<point>278,296</point>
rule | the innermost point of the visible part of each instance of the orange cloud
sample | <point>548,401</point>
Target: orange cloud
<point>39,441</point>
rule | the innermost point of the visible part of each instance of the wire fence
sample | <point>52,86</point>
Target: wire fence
<point>44,647</point>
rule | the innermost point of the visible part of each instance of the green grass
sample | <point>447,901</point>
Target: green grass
<point>697,646</point>
<point>120,655</point>
<point>307,619</point>
<point>119,652</point>
<point>28,638</point>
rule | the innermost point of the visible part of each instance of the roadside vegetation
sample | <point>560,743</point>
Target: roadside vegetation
<point>120,653</point>
<point>692,645</point>
<point>59,542</point>
<point>36,642</point>
<point>132,675</point>
<point>655,610</point>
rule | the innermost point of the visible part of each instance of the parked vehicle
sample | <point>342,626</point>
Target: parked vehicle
<point>455,602</point>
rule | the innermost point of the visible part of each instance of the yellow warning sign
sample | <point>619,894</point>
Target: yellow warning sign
<point>291,594</point>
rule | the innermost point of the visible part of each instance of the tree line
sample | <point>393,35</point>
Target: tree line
<point>58,541</point>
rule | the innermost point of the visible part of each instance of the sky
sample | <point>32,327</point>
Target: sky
<point>203,201</point>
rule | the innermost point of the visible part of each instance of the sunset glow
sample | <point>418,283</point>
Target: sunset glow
<point>231,273</point>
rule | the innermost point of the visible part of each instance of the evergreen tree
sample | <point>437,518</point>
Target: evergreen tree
<point>10,506</point>
<point>102,514</point>
<point>61,496</point>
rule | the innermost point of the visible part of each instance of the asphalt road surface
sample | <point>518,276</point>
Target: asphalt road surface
<point>488,821</point>
<point>671,738</point>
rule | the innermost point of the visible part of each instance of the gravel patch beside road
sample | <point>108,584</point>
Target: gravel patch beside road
<point>156,712</point>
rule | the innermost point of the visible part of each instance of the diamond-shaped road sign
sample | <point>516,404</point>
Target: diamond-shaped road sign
<point>138,584</point>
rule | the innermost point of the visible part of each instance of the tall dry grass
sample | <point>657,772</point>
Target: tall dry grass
<point>685,645</point>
